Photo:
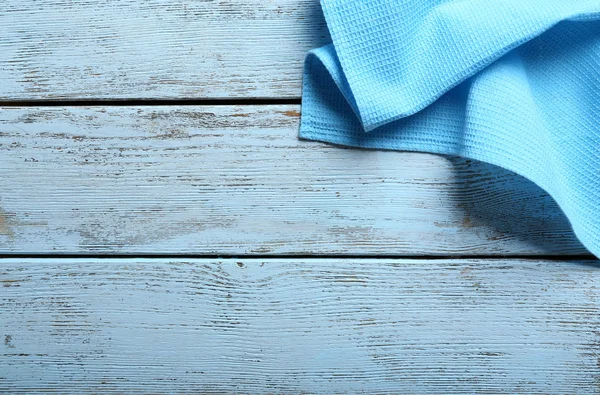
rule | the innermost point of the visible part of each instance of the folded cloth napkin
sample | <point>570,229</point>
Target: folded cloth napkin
<point>515,83</point>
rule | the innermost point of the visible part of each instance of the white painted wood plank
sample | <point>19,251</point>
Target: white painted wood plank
<point>299,326</point>
<point>236,180</point>
<point>168,49</point>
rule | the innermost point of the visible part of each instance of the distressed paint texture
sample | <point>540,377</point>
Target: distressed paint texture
<point>229,180</point>
<point>236,180</point>
<point>110,49</point>
<point>299,326</point>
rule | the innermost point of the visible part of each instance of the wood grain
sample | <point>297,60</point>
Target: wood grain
<point>299,326</point>
<point>236,180</point>
<point>165,49</point>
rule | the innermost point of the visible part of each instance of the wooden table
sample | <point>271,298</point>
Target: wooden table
<point>163,230</point>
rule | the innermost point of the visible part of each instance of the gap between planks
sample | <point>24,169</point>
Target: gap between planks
<point>152,102</point>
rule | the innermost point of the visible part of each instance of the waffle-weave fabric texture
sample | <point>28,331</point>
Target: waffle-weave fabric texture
<point>515,83</point>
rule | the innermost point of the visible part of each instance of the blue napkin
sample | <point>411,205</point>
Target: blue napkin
<point>515,83</point>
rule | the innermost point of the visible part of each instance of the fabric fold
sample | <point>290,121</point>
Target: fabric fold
<point>512,83</point>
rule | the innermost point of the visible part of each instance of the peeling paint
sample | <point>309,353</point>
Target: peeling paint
<point>291,113</point>
<point>6,223</point>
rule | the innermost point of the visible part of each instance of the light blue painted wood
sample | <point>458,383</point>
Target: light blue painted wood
<point>52,49</point>
<point>236,180</point>
<point>299,326</point>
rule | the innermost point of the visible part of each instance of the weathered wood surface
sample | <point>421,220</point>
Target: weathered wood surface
<point>299,326</point>
<point>168,49</point>
<point>236,180</point>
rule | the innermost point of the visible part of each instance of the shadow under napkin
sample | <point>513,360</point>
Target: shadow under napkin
<point>512,207</point>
